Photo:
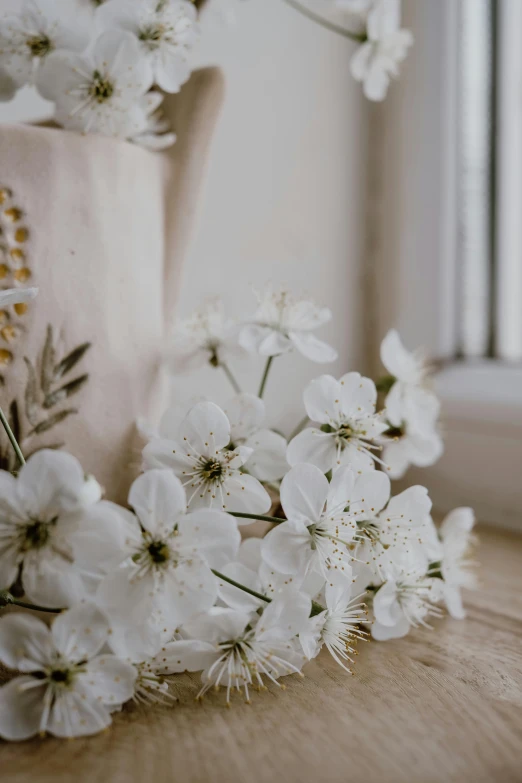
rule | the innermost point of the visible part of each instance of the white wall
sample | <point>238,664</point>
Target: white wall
<point>285,195</point>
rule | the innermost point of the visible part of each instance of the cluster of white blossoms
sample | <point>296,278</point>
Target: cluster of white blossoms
<point>105,64</point>
<point>167,585</point>
<point>99,61</point>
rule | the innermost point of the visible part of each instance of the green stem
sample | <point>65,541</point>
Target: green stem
<point>14,442</point>
<point>334,28</point>
<point>6,599</point>
<point>265,376</point>
<point>235,385</point>
<point>262,517</point>
<point>302,424</point>
<point>316,608</point>
<point>240,586</point>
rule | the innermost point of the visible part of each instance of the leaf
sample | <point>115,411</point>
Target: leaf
<point>48,361</point>
<point>52,421</point>
<point>64,392</point>
<point>63,367</point>
<point>14,420</point>
<point>31,393</point>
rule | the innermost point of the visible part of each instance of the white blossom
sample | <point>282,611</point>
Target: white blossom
<point>241,650</point>
<point>53,530</point>
<point>246,414</point>
<point>321,525</point>
<point>407,598</point>
<point>208,336</point>
<point>457,566</point>
<point>166,32</point>
<point>167,576</point>
<point>66,688</point>
<point>40,27</point>
<point>208,468</point>
<point>338,627</point>
<point>282,323</point>
<point>99,91</point>
<point>376,61</point>
<point>345,409</point>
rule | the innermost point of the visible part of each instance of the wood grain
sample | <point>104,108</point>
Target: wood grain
<point>435,707</point>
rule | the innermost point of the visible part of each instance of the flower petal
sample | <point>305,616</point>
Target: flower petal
<point>186,655</point>
<point>287,548</point>
<point>322,400</point>
<point>217,625</point>
<point>284,617</point>
<point>109,680</point>
<point>244,493</point>
<point>205,430</point>
<point>158,498</point>
<point>268,461</point>
<point>303,494</point>
<point>21,708</point>
<point>312,348</point>
<point>315,447</point>
<point>25,642</point>
<point>80,632</point>
<point>246,414</point>
<point>213,535</point>
<point>358,395</point>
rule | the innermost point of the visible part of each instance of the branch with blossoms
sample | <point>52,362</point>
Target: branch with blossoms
<point>106,66</point>
<point>167,585</point>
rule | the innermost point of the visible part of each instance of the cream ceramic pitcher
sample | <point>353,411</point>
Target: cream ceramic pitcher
<point>101,227</point>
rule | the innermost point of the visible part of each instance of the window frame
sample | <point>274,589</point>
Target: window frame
<point>413,273</point>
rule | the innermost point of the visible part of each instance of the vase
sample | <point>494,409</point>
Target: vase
<point>101,226</point>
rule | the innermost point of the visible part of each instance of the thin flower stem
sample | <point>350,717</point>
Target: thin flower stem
<point>6,599</point>
<point>262,517</point>
<point>14,442</point>
<point>265,376</point>
<point>316,608</point>
<point>302,424</point>
<point>334,28</point>
<point>240,586</point>
<point>235,385</point>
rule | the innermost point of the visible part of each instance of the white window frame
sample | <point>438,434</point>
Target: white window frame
<point>412,271</point>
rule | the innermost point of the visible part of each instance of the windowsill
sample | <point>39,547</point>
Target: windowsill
<point>484,389</point>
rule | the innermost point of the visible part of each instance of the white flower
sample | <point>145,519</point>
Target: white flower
<point>246,414</point>
<point>66,687</point>
<point>322,520</point>
<point>12,296</point>
<point>403,447</point>
<point>238,650</point>
<point>166,31</point>
<point>156,135</point>
<point>407,598</point>
<point>250,570</point>
<point>376,61</point>
<point>282,323</point>
<point>168,578</point>
<point>457,566</point>
<point>207,467</point>
<point>52,528</point>
<point>99,91</point>
<point>337,627</point>
<point>39,28</point>
<point>393,531</point>
<point>409,400</point>
<point>207,337</point>
<point>346,411</point>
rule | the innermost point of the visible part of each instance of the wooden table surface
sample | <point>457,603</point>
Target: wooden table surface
<point>437,706</point>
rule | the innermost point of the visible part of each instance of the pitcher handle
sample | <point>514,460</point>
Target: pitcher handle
<point>192,114</point>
